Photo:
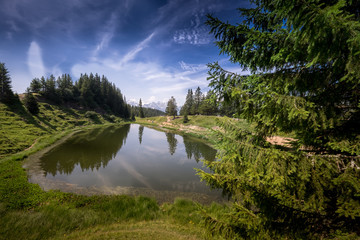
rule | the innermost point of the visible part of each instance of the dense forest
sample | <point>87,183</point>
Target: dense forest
<point>197,102</point>
<point>90,92</point>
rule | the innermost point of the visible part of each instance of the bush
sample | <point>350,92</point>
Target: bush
<point>185,119</point>
<point>91,114</point>
<point>31,104</point>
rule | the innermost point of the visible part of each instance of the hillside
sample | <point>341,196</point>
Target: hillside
<point>28,212</point>
<point>19,129</point>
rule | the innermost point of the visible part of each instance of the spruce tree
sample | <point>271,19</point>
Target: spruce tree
<point>189,101</point>
<point>186,118</point>
<point>304,59</point>
<point>65,87</point>
<point>208,105</point>
<point>171,108</point>
<point>6,94</point>
<point>141,110</point>
<point>35,85</point>
<point>30,103</point>
<point>197,101</point>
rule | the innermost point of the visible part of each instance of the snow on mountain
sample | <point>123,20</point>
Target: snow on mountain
<point>154,105</point>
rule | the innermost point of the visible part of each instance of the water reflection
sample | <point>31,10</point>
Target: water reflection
<point>90,150</point>
<point>198,151</point>
<point>141,132</point>
<point>172,141</point>
<point>123,160</point>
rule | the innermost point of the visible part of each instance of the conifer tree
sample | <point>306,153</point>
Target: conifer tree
<point>141,110</point>
<point>6,94</point>
<point>189,101</point>
<point>304,56</point>
<point>208,105</point>
<point>132,113</point>
<point>197,101</point>
<point>43,84</point>
<point>30,103</point>
<point>171,108</point>
<point>35,85</point>
<point>65,87</point>
<point>50,89</point>
<point>186,118</point>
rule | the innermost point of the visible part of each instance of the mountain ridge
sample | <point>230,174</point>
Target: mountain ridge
<point>154,105</point>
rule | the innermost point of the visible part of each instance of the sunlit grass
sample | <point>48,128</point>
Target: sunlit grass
<point>154,230</point>
<point>28,212</point>
<point>19,129</point>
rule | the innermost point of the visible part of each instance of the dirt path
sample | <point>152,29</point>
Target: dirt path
<point>281,141</point>
<point>32,145</point>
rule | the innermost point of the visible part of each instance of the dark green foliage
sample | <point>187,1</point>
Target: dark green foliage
<point>186,118</point>
<point>304,57</point>
<point>35,85</point>
<point>30,103</point>
<point>90,92</point>
<point>199,104</point>
<point>50,89</point>
<point>132,113</point>
<point>6,94</point>
<point>208,105</point>
<point>197,99</point>
<point>148,112</point>
<point>93,116</point>
<point>65,88</point>
<point>189,101</point>
<point>141,110</point>
<point>171,108</point>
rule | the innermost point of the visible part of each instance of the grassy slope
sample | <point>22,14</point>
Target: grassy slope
<point>27,212</point>
<point>19,129</point>
<point>199,125</point>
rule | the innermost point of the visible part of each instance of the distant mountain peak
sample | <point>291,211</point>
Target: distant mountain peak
<point>154,105</point>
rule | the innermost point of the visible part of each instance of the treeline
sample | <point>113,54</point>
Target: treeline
<point>90,92</point>
<point>199,103</point>
<point>147,112</point>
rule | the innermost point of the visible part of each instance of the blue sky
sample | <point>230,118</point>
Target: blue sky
<point>150,49</point>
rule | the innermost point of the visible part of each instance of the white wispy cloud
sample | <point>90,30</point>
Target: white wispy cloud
<point>149,81</point>
<point>106,34</point>
<point>192,67</point>
<point>133,52</point>
<point>34,61</point>
<point>194,35</point>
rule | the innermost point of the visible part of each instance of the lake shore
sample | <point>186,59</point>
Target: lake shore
<point>28,212</point>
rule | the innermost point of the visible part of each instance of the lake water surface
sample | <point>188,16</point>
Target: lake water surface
<point>129,159</point>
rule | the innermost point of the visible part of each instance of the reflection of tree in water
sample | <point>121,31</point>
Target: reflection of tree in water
<point>141,132</point>
<point>172,142</point>
<point>198,150</point>
<point>89,150</point>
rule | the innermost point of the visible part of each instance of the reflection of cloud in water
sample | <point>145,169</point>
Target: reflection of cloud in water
<point>135,174</point>
<point>156,150</point>
<point>163,162</point>
<point>183,160</point>
<point>102,179</point>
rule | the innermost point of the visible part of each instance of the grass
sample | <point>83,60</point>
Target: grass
<point>19,129</point>
<point>28,212</point>
<point>140,230</point>
<point>199,126</point>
